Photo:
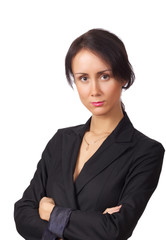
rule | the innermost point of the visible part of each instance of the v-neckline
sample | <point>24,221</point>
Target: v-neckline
<point>113,146</point>
<point>108,138</point>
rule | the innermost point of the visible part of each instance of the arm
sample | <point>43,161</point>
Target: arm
<point>46,207</point>
<point>26,214</point>
<point>140,183</point>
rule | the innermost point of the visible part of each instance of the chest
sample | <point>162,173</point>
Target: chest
<point>85,153</point>
<point>102,172</point>
<point>101,187</point>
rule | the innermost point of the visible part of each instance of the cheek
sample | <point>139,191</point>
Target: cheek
<point>113,91</point>
<point>83,92</point>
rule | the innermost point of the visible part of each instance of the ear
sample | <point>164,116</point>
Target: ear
<point>124,83</point>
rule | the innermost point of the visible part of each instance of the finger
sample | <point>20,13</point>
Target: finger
<point>118,206</point>
<point>47,199</point>
<point>113,209</point>
<point>105,211</point>
<point>51,200</point>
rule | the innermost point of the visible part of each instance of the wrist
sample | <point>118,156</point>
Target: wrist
<point>50,209</point>
<point>58,220</point>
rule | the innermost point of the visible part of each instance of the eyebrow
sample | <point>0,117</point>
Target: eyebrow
<point>106,70</point>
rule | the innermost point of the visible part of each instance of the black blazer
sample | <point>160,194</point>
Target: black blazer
<point>124,170</point>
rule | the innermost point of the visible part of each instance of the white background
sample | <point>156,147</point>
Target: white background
<point>35,99</point>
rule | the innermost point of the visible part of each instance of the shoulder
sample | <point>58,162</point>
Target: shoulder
<point>54,145</point>
<point>66,131</point>
<point>144,139</point>
<point>140,142</point>
<point>146,145</point>
<point>71,130</point>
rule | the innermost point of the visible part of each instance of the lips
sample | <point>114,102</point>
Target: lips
<point>98,104</point>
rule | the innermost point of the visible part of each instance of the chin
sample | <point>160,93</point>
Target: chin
<point>99,112</point>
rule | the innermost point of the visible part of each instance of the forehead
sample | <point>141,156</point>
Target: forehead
<point>86,60</point>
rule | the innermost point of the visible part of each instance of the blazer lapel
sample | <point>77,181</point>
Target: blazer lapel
<point>72,139</point>
<point>69,154</point>
<point>114,146</point>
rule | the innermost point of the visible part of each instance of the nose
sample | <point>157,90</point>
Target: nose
<point>95,88</point>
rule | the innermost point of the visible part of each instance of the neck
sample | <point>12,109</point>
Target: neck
<point>102,124</point>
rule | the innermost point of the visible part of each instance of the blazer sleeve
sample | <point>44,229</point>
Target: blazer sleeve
<point>27,219</point>
<point>140,183</point>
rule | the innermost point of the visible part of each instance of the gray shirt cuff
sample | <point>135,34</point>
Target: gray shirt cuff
<point>58,220</point>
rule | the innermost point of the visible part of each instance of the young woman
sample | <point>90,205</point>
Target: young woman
<point>93,180</point>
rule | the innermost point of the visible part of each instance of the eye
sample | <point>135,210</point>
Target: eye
<point>83,78</point>
<point>105,76</point>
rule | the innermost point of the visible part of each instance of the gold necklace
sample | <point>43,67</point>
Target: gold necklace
<point>88,144</point>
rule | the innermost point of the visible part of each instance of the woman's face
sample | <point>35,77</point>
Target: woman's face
<point>99,91</point>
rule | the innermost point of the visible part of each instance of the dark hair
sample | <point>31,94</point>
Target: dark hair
<point>109,47</point>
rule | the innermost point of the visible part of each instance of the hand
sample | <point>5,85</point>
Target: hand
<point>46,206</point>
<point>112,210</point>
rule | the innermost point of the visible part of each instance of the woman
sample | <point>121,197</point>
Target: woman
<point>93,180</point>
